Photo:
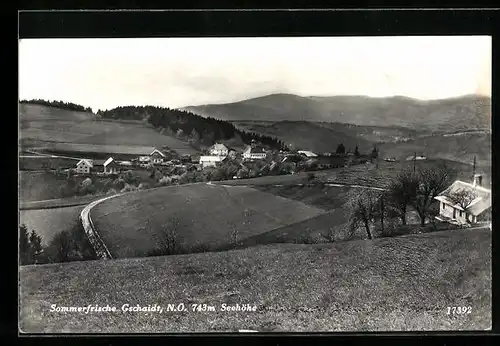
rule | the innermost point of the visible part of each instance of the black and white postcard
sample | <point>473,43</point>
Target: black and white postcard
<point>255,184</point>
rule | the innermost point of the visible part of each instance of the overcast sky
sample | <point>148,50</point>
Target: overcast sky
<point>177,72</point>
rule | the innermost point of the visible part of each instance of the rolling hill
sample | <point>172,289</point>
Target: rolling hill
<point>325,137</point>
<point>389,284</point>
<point>207,215</point>
<point>453,114</point>
<point>43,126</point>
<point>459,147</point>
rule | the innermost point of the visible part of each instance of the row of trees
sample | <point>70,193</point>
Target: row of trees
<point>183,123</point>
<point>58,104</point>
<point>370,209</point>
<point>341,150</point>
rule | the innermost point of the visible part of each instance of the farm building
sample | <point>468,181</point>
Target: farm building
<point>463,202</point>
<point>219,149</point>
<point>210,161</point>
<point>111,166</point>
<point>416,157</point>
<point>254,152</point>
<point>84,166</point>
<point>154,157</point>
<point>307,153</point>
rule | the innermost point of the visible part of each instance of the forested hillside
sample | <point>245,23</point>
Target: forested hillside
<point>183,123</point>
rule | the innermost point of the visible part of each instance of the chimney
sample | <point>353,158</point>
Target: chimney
<point>478,180</point>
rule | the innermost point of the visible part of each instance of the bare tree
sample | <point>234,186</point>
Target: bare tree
<point>401,192</point>
<point>365,208</point>
<point>463,198</point>
<point>432,181</point>
<point>63,246</point>
<point>234,235</point>
<point>168,239</point>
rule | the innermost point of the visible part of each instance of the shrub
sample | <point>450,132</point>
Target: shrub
<point>143,186</point>
<point>168,243</point>
<point>128,188</point>
<point>111,192</point>
<point>165,180</point>
<point>86,182</point>
<point>118,184</point>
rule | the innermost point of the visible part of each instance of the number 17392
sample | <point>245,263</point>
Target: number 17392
<point>459,310</point>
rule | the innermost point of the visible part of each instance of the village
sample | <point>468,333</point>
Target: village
<point>257,161</point>
<point>218,155</point>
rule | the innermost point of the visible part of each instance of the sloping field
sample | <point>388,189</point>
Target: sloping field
<point>49,124</point>
<point>390,284</point>
<point>207,214</point>
<point>35,186</point>
<point>48,222</point>
<point>34,163</point>
<point>381,176</point>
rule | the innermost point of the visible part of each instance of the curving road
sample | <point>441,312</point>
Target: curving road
<point>94,238</point>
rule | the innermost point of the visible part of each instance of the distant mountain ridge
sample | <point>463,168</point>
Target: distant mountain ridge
<point>452,114</point>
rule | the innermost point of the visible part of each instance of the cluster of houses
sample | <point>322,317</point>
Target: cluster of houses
<point>220,152</point>
<point>112,166</point>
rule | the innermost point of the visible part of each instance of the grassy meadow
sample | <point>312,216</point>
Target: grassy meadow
<point>208,215</point>
<point>390,284</point>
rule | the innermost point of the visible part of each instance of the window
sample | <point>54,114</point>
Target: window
<point>443,206</point>
<point>461,212</point>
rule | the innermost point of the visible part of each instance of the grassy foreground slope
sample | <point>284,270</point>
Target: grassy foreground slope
<point>403,284</point>
<point>208,215</point>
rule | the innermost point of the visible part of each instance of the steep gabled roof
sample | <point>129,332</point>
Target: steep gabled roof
<point>108,161</point>
<point>157,151</point>
<point>87,162</point>
<point>478,205</point>
<point>219,146</point>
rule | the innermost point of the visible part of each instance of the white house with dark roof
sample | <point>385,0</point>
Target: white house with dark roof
<point>219,149</point>
<point>155,157</point>
<point>254,152</point>
<point>111,166</point>
<point>478,210</point>
<point>84,166</point>
<point>210,161</point>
